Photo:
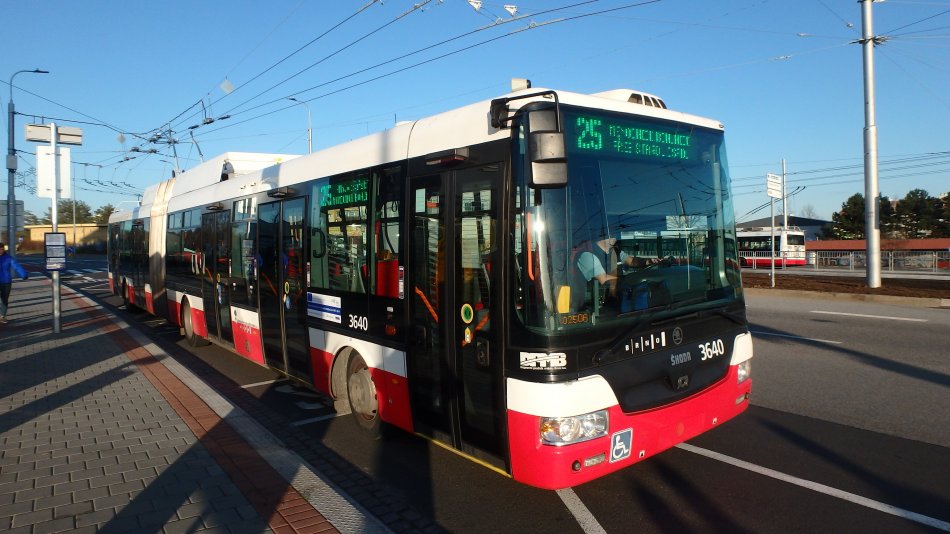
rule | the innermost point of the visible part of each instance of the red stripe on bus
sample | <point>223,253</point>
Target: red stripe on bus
<point>393,394</point>
<point>247,342</point>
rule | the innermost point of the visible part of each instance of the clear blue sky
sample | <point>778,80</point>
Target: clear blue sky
<point>782,76</point>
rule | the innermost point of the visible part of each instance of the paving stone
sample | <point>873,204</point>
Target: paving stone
<point>31,518</point>
<point>70,510</point>
<point>53,502</point>
<point>92,445</point>
<point>56,525</point>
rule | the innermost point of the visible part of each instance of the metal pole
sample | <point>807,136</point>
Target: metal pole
<point>309,124</point>
<point>784,199</point>
<point>11,168</point>
<point>54,214</point>
<point>871,191</point>
<point>784,215</point>
<point>772,239</point>
<point>11,177</point>
<point>72,195</point>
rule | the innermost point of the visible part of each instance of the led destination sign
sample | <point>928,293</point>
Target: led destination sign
<point>345,193</point>
<point>597,134</point>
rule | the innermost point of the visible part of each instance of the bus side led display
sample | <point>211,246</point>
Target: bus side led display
<point>351,192</point>
<point>594,134</point>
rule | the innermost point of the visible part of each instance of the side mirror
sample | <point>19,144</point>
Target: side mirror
<point>546,152</point>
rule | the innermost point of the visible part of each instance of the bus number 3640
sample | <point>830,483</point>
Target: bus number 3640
<point>359,322</point>
<point>711,349</point>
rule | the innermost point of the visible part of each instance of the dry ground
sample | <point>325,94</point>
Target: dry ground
<point>902,287</point>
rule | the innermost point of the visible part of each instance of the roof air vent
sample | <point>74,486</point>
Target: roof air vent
<point>634,97</point>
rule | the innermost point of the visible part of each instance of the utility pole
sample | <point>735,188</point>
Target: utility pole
<point>784,198</point>
<point>872,227</point>
<point>12,166</point>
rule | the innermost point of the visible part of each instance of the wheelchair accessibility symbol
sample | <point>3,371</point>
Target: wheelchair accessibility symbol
<point>621,445</point>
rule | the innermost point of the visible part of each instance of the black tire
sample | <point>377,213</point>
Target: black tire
<point>364,402</point>
<point>125,295</point>
<point>188,326</point>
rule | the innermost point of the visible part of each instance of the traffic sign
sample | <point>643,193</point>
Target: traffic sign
<point>19,215</point>
<point>773,185</point>
<point>65,135</point>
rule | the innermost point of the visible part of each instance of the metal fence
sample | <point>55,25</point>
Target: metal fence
<point>891,260</point>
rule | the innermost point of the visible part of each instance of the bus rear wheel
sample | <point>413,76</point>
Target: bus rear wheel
<point>189,327</point>
<point>364,403</point>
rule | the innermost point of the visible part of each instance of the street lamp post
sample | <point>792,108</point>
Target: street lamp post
<point>309,124</point>
<point>11,167</point>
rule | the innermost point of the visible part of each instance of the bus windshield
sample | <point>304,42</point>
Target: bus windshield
<point>644,226</point>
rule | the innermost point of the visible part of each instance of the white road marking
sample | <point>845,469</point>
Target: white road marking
<point>872,316</point>
<point>248,386</point>
<point>316,419</point>
<point>820,488</point>
<point>757,333</point>
<point>585,519</point>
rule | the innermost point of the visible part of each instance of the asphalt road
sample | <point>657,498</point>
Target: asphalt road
<point>848,432</point>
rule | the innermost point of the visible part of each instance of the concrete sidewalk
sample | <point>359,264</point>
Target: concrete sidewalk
<point>102,431</point>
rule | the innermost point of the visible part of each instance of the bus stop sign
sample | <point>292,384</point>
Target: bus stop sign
<point>55,246</point>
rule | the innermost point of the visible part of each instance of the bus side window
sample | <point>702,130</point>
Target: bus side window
<point>340,216</point>
<point>387,231</point>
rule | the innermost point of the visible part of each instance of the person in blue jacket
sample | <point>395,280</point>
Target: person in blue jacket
<point>7,263</point>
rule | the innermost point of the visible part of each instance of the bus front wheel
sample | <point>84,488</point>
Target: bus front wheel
<point>361,391</point>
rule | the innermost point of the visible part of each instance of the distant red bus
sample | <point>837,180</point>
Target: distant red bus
<point>755,246</point>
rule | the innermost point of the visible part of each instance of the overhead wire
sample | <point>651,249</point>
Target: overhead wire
<point>414,8</point>
<point>409,54</point>
<point>298,50</point>
<point>839,17</point>
<point>915,23</point>
<point>430,60</point>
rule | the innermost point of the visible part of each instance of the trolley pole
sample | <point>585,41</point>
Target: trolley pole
<point>871,191</point>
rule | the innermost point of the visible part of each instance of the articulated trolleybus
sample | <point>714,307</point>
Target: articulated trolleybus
<point>436,277</point>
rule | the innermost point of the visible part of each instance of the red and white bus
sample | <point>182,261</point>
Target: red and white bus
<point>426,277</point>
<point>755,246</point>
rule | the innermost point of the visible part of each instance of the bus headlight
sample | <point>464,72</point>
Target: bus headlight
<point>566,430</point>
<point>744,370</point>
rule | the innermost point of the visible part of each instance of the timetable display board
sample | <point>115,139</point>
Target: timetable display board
<point>55,250</point>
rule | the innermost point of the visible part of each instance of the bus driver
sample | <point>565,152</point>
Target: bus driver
<point>590,264</point>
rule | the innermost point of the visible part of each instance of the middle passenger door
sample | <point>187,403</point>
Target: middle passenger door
<point>283,286</point>
<point>215,286</point>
